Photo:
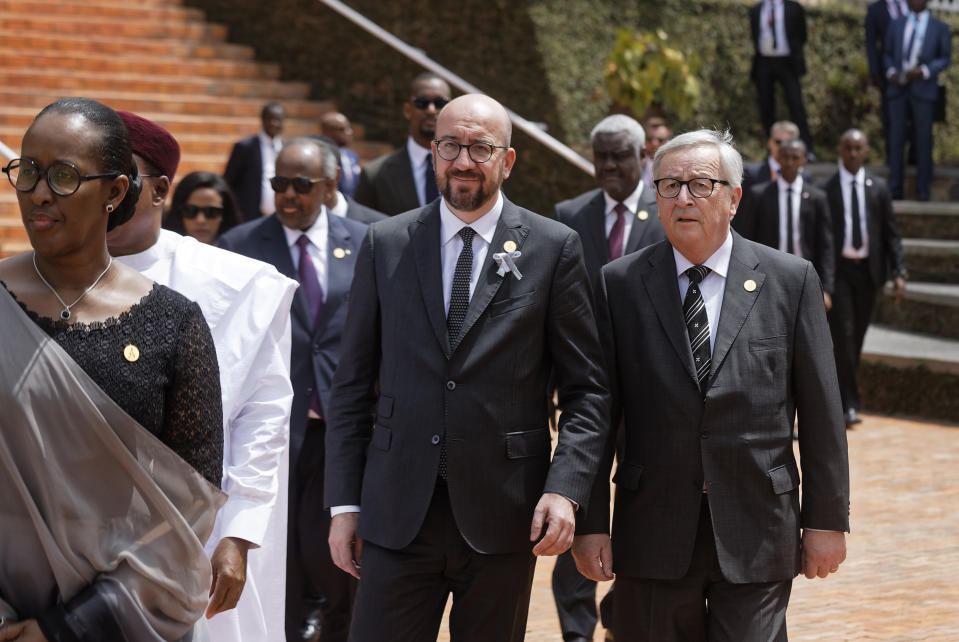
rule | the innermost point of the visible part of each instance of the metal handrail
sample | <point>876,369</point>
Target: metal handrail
<point>6,152</point>
<point>417,56</point>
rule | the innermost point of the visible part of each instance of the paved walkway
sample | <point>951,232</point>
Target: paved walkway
<point>900,581</point>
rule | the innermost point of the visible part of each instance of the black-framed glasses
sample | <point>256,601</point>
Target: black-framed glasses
<point>300,184</point>
<point>698,187</point>
<point>63,178</point>
<point>209,212</point>
<point>449,150</point>
<point>423,103</point>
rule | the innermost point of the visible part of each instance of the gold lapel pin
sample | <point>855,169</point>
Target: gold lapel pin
<point>339,253</point>
<point>131,353</point>
<point>509,246</point>
<point>349,251</point>
<point>642,215</point>
<point>749,285</point>
<point>868,182</point>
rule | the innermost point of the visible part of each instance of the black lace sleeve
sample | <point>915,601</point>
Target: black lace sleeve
<point>193,421</point>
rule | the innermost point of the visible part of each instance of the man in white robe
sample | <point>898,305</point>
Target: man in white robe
<point>247,306</point>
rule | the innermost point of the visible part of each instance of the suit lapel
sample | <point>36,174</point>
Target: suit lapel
<point>737,300</point>
<point>429,268</point>
<point>807,226</point>
<point>275,239</point>
<point>404,183</point>
<point>509,228</point>
<point>873,222</point>
<point>338,272</point>
<point>640,227</point>
<point>595,225</point>
<point>661,285</point>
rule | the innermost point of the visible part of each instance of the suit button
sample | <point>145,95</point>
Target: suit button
<point>435,439</point>
<point>316,349</point>
<point>704,434</point>
<point>451,385</point>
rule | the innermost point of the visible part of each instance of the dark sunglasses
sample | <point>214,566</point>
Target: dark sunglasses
<point>300,185</point>
<point>421,102</point>
<point>208,211</point>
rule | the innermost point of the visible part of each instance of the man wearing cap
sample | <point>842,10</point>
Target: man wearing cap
<point>246,304</point>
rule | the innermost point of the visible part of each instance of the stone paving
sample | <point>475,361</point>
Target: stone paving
<point>900,581</point>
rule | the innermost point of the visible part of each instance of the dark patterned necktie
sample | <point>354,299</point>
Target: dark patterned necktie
<point>790,243</point>
<point>697,322</point>
<point>460,295</point>
<point>856,220</point>
<point>616,234</point>
<point>313,294</point>
<point>431,190</point>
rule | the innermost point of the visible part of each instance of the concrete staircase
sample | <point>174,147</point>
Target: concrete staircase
<point>153,57</point>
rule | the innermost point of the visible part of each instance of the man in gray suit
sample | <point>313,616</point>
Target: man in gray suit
<point>617,218</point>
<point>713,345</point>
<point>460,311</point>
<point>404,179</point>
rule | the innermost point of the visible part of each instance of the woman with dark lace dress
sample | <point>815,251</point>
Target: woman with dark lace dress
<point>110,414</point>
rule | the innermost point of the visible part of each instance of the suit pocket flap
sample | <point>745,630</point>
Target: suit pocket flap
<point>506,305</point>
<point>784,478</point>
<point>768,343</point>
<point>384,408</point>
<point>382,436</point>
<point>627,475</point>
<point>527,443</point>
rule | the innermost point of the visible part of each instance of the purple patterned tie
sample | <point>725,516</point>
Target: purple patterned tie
<point>616,234</point>
<point>313,293</point>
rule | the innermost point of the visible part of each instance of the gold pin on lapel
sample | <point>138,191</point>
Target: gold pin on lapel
<point>868,182</point>
<point>349,251</point>
<point>642,215</point>
<point>339,253</point>
<point>509,246</point>
<point>749,285</point>
<point>131,353</point>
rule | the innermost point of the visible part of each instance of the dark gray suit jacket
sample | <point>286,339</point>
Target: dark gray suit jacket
<point>486,392</point>
<point>772,358</point>
<point>885,246</point>
<point>387,185</point>
<point>315,351</point>
<point>586,215</point>
<point>244,175</point>
<point>362,213</point>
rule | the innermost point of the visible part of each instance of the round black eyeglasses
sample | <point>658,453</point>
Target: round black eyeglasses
<point>63,178</point>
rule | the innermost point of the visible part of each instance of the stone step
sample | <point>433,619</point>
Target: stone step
<point>72,83</point>
<point>930,308</point>
<point>145,66</point>
<point>900,349</point>
<point>68,44</point>
<point>933,260</point>
<point>927,220</point>
<point>945,178</point>
<point>111,27</point>
<point>143,102</point>
<point>106,10</point>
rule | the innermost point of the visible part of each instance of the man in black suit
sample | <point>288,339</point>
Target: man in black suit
<point>768,169</point>
<point>778,30</point>
<point>339,204</point>
<point>404,179</point>
<point>918,48</point>
<point>338,129</point>
<point>713,343</point>
<point>867,248</point>
<point>617,218</point>
<point>250,167</point>
<point>460,312</point>
<point>303,242</point>
<point>879,15</point>
<point>793,216</point>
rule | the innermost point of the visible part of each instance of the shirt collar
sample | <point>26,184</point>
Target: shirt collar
<point>417,154</point>
<point>341,206</point>
<point>845,176</point>
<point>796,185</point>
<point>718,262</point>
<point>269,142</point>
<point>631,202</point>
<point>317,232</point>
<point>485,226</point>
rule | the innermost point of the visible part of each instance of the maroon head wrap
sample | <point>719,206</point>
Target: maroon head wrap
<point>153,143</point>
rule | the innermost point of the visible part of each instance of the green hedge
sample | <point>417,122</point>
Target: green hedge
<point>914,392</point>
<point>544,59</point>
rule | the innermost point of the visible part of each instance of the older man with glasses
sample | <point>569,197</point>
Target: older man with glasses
<point>404,179</point>
<point>307,244</point>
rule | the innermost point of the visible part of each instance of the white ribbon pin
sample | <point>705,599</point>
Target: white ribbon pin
<point>506,264</point>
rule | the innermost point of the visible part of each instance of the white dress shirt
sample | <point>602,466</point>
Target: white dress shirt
<point>794,205</point>
<point>767,26</point>
<point>845,182</point>
<point>269,148</point>
<point>712,287</point>
<point>452,244</point>
<point>632,207</point>
<point>418,157</point>
<point>246,303</point>
<point>916,22</point>
<point>319,236</point>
